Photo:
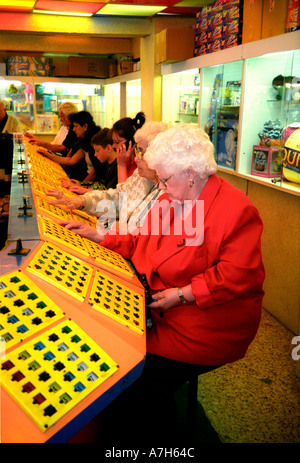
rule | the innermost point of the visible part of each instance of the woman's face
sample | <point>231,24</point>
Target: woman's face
<point>117,140</point>
<point>142,165</point>
<point>79,129</point>
<point>176,186</point>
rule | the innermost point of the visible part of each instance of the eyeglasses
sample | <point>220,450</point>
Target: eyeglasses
<point>162,180</point>
<point>139,152</point>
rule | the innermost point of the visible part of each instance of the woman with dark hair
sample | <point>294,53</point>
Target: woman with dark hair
<point>77,163</point>
<point>123,137</point>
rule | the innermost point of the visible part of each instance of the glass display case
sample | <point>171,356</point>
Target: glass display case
<point>35,102</point>
<point>50,95</point>
<point>19,101</point>
<point>112,104</point>
<point>271,111</point>
<point>249,104</point>
<point>180,96</point>
<point>133,97</point>
<point>220,98</point>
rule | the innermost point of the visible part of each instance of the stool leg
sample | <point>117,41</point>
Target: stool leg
<point>192,407</point>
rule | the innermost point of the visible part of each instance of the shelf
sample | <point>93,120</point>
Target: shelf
<point>282,185</point>
<point>295,102</point>
<point>276,44</point>
<point>228,106</point>
<point>187,114</point>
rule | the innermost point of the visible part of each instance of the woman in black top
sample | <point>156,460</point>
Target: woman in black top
<point>75,162</point>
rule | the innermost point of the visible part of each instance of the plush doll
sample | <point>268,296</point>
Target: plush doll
<point>28,93</point>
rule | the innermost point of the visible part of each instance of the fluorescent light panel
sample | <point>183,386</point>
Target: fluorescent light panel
<point>61,6</point>
<point>17,4</point>
<point>64,13</point>
<point>133,10</point>
<point>154,3</point>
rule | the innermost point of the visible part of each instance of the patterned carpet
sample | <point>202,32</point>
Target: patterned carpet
<point>257,399</point>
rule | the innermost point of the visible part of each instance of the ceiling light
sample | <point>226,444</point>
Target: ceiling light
<point>65,13</point>
<point>133,10</point>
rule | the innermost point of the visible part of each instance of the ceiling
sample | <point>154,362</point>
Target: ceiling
<point>112,8</point>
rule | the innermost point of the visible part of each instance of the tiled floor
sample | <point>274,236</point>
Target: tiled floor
<point>257,399</point>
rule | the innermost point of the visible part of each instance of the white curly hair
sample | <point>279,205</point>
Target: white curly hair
<point>180,149</point>
<point>148,131</point>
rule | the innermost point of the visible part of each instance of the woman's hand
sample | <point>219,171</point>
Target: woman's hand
<point>29,135</point>
<point>44,152</point>
<point>70,203</point>
<point>166,299</point>
<point>83,230</point>
<point>80,190</point>
<point>69,182</point>
<point>54,192</point>
<point>123,154</point>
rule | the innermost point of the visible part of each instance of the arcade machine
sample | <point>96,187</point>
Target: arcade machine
<point>72,324</point>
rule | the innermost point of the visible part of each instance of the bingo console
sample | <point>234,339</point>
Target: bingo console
<point>72,323</point>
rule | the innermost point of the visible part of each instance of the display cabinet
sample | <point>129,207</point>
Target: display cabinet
<point>133,97</point>
<point>271,110</point>
<point>122,96</point>
<point>35,101</point>
<point>49,96</point>
<point>122,99</point>
<point>112,104</point>
<point>249,102</point>
<point>220,109</point>
<point>180,96</point>
<point>19,99</point>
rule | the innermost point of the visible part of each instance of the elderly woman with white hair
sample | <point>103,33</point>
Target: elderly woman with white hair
<point>127,205</point>
<point>199,248</point>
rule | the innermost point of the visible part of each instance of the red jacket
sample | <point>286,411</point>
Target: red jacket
<point>226,273</point>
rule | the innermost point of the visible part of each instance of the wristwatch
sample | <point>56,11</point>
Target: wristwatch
<point>181,296</point>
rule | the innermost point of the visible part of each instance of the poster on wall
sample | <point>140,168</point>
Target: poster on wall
<point>50,103</point>
<point>47,124</point>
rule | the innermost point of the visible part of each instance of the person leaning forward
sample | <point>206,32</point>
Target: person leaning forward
<point>206,282</point>
<point>199,248</point>
<point>8,123</point>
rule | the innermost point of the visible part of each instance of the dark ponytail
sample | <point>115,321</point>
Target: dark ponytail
<point>126,127</point>
<point>139,120</point>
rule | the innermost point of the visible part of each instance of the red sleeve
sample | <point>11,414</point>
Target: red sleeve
<point>239,268</point>
<point>122,244</point>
